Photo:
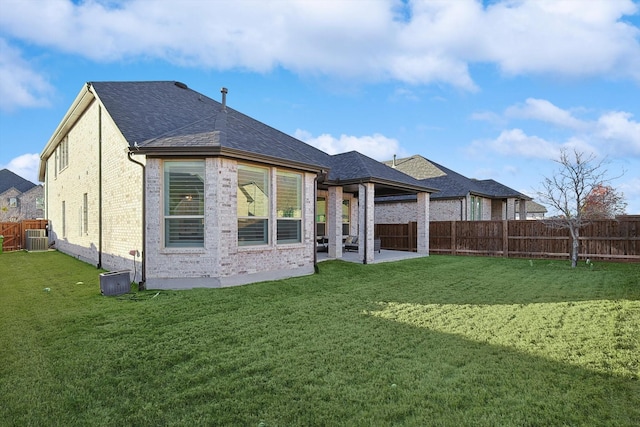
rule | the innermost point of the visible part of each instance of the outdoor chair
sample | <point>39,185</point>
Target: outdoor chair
<point>351,244</point>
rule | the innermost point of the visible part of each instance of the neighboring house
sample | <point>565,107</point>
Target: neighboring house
<point>19,198</point>
<point>209,196</point>
<point>534,210</point>
<point>458,198</point>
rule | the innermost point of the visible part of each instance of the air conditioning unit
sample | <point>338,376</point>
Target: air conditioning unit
<point>37,243</point>
<point>115,282</point>
<point>35,233</point>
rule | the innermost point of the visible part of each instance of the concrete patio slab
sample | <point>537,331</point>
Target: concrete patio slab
<point>383,256</point>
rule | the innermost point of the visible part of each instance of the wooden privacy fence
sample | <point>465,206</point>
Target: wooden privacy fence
<point>14,232</point>
<point>398,237</point>
<point>605,239</point>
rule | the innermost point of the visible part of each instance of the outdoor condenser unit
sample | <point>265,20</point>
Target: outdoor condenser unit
<point>37,243</point>
<point>115,282</point>
<point>34,233</point>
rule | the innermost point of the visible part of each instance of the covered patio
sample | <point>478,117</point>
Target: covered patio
<point>358,179</point>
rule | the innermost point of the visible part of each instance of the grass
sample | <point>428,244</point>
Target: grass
<point>444,341</point>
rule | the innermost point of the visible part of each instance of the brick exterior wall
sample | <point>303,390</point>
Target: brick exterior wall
<point>121,195</point>
<point>221,262</point>
<point>25,208</point>
<point>444,210</point>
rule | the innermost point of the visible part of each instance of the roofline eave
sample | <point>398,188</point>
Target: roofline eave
<point>373,180</point>
<point>79,105</point>
<point>218,151</point>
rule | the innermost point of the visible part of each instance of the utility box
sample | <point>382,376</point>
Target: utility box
<point>115,282</point>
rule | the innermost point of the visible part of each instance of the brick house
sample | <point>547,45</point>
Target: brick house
<point>19,198</point>
<point>458,198</point>
<point>207,195</point>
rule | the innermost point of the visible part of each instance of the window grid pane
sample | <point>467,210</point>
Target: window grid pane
<point>252,231</point>
<point>289,231</point>
<point>184,204</point>
<point>253,205</point>
<point>289,206</point>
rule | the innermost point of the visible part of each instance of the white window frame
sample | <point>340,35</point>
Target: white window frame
<point>258,195</point>
<point>193,199</point>
<point>63,157</point>
<point>286,213</point>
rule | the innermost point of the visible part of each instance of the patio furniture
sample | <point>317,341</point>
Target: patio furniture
<point>351,244</point>
<point>322,244</point>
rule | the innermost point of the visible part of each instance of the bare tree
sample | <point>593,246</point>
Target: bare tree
<point>570,190</point>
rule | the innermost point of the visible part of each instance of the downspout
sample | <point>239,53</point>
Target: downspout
<point>315,225</point>
<point>144,225</point>
<point>99,187</point>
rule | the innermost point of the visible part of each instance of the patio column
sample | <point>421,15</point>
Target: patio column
<point>334,222</point>
<point>423,223</point>
<point>366,224</point>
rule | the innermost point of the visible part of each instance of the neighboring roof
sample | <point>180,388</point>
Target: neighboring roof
<point>355,167</point>
<point>534,207</point>
<point>416,166</point>
<point>451,184</point>
<point>9,179</point>
<point>496,190</point>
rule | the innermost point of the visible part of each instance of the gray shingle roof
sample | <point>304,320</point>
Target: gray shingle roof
<point>167,116</point>
<point>452,184</point>
<point>170,116</point>
<point>354,166</point>
<point>9,179</point>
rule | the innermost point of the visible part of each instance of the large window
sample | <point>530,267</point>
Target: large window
<point>289,207</point>
<point>63,156</point>
<point>184,203</point>
<point>85,213</point>
<point>64,219</point>
<point>321,216</point>
<point>476,208</point>
<point>346,217</point>
<point>253,205</point>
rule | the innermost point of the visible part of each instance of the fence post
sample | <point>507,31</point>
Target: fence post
<point>505,238</point>
<point>454,243</point>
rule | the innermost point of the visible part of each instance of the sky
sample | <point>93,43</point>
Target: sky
<point>490,89</point>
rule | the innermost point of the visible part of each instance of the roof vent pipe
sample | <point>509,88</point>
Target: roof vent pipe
<point>224,92</point>
<point>393,165</point>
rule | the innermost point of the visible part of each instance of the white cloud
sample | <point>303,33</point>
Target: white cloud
<point>514,142</point>
<point>543,110</point>
<point>619,133</point>
<point>614,133</point>
<point>20,85</point>
<point>25,166</point>
<point>376,146</point>
<point>562,37</point>
<point>490,117</point>
<point>433,42</point>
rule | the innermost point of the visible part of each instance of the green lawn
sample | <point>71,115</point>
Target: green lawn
<point>445,341</point>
